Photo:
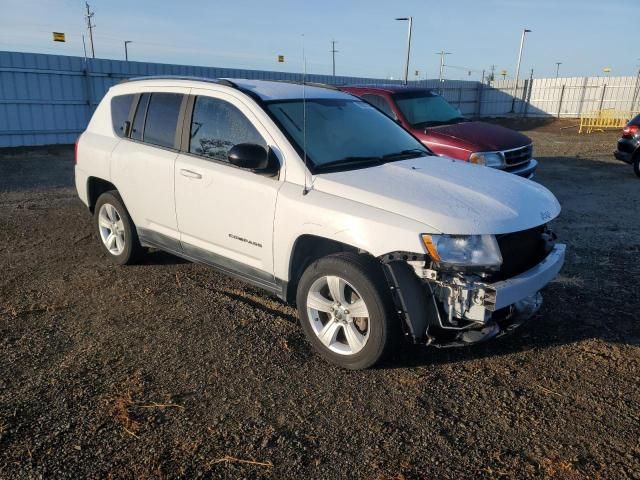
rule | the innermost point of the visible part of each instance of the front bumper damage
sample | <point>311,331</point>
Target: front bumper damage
<point>446,309</point>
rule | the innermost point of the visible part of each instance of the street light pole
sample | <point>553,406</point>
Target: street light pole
<point>126,52</point>
<point>333,54</point>
<point>406,68</point>
<point>558,68</point>
<point>515,88</point>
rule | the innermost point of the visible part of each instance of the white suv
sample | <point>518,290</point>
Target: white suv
<point>317,197</point>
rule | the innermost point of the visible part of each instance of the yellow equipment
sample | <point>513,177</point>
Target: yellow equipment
<point>604,119</point>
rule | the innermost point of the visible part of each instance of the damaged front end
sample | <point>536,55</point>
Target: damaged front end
<point>445,306</point>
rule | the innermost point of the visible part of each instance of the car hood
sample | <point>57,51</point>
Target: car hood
<point>449,196</point>
<point>476,136</point>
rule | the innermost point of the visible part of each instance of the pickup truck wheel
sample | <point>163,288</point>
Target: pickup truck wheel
<point>636,165</point>
<point>344,309</point>
<point>115,229</point>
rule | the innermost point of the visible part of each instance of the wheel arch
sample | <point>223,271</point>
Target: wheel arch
<point>308,248</point>
<point>95,187</point>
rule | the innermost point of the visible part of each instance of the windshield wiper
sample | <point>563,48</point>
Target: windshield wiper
<point>439,123</point>
<point>350,162</point>
<point>404,154</point>
<point>369,161</point>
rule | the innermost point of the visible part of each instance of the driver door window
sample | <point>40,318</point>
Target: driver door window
<point>216,126</point>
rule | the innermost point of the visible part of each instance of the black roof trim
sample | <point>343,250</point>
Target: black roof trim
<point>310,84</point>
<point>391,87</point>
<point>218,81</point>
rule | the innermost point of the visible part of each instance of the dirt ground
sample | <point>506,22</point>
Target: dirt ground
<point>168,369</point>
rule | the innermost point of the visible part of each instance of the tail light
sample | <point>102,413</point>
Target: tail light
<point>630,130</point>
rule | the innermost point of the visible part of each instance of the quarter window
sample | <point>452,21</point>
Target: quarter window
<point>120,107</point>
<point>216,126</point>
<point>162,119</point>
<point>380,103</point>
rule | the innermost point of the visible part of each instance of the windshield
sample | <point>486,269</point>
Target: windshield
<point>344,133</point>
<point>426,109</point>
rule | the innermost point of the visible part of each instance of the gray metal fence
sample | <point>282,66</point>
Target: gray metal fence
<point>563,97</point>
<point>48,99</point>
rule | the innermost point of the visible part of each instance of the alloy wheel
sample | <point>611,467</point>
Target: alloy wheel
<point>111,229</point>
<point>339,316</point>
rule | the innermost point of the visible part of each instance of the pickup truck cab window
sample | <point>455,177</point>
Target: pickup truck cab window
<point>379,102</point>
<point>216,126</point>
<point>426,109</point>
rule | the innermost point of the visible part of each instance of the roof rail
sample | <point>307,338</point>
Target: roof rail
<point>219,81</point>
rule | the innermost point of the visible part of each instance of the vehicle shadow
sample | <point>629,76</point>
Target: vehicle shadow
<point>522,124</point>
<point>160,257</point>
<point>572,313</point>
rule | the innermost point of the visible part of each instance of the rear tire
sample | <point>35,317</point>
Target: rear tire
<point>345,310</point>
<point>115,229</point>
<point>636,165</point>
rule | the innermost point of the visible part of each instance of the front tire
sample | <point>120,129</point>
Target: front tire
<point>345,310</point>
<point>116,231</point>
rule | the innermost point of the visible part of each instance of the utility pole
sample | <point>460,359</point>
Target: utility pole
<point>84,47</point>
<point>636,91</point>
<point>515,88</point>
<point>333,54</point>
<point>442,53</point>
<point>558,68</point>
<point>126,52</point>
<point>527,96</point>
<point>492,77</point>
<point>90,26</point>
<point>406,68</point>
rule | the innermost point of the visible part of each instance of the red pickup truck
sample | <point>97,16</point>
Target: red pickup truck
<point>443,128</point>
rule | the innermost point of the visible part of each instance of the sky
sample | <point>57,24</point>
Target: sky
<point>585,35</point>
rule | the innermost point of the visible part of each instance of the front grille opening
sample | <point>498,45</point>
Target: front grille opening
<point>519,155</point>
<point>520,252</point>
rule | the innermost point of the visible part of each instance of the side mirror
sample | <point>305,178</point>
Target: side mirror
<point>252,157</point>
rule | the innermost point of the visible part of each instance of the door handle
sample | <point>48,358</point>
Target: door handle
<point>189,174</point>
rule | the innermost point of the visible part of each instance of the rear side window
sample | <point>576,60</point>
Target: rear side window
<point>162,119</point>
<point>120,108</point>
<point>379,102</point>
<point>216,126</point>
<point>141,114</point>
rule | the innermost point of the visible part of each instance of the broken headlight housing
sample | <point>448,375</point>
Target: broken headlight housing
<point>464,250</point>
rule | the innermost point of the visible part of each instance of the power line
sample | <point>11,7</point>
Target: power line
<point>459,67</point>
